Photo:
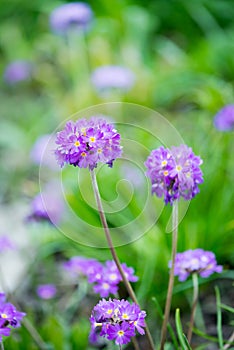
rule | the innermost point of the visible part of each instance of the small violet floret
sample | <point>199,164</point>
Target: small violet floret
<point>224,119</point>
<point>85,143</point>
<point>174,173</point>
<point>104,277</point>
<point>9,317</point>
<point>116,320</point>
<point>195,261</point>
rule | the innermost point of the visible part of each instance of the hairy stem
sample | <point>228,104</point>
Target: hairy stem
<point>113,252</point>
<point>194,305</point>
<point>171,278</point>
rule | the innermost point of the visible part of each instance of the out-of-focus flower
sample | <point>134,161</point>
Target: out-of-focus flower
<point>116,320</point>
<point>72,16</point>
<point>195,261</point>
<point>105,277</point>
<point>106,78</point>
<point>84,143</point>
<point>42,152</point>
<point>46,291</point>
<point>174,173</point>
<point>9,317</point>
<point>6,243</point>
<point>18,71</point>
<point>224,119</point>
<point>47,205</point>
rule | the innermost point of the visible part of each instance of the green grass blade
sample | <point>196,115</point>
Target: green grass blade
<point>219,318</point>
<point>182,338</point>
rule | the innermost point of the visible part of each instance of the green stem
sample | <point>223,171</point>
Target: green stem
<point>113,252</point>
<point>219,318</point>
<point>2,346</point>
<point>194,305</point>
<point>171,278</point>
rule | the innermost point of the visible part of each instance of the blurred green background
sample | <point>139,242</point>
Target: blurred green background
<point>181,53</point>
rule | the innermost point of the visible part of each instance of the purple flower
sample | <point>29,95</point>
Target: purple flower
<point>224,119</point>
<point>71,16</point>
<point>6,243</point>
<point>195,261</point>
<point>42,152</point>
<point>121,333</point>
<point>84,143</point>
<point>174,173</point>
<point>18,71</point>
<point>47,205</point>
<point>106,78</point>
<point>9,317</point>
<point>105,277</point>
<point>116,320</point>
<point>46,291</point>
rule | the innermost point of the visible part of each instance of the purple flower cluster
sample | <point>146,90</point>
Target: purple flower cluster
<point>9,317</point>
<point>48,205</point>
<point>18,71</point>
<point>174,173</point>
<point>46,291</point>
<point>105,277</point>
<point>112,77</point>
<point>71,16</point>
<point>116,320</point>
<point>195,261</point>
<point>6,243</point>
<point>224,119</point>
<point>84,143</point>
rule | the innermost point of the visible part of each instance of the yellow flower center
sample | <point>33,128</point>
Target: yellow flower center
<point>105,285</point>
<point>83,130</point>
<point>92,139</point>
<point>109,311</point>
<point>165,173</point>
<point>121,333</point>
<point>77,143</point>
<point>178,167</point>
<point>164,162</point>
<point>125,316</point>
<point>3,315</point>
<point>99,150</point>
<point>83,154</point>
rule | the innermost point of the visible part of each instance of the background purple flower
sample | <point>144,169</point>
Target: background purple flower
<point>105,277</point>
<point>9,316</point>
<point>18,71</point>
<point>71,16</point>
<point>84,143</point>
<point>116,320</point>
<point>224,119</point>
<point>198,260</point>
<point>6,243</point>
<point>174,173</point>
<point>47,205</point>
<point>46,291</point>
<point>112,77</point>
<point>42,152</point>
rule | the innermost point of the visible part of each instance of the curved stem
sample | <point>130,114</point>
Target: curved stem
<point>171,278</point>
<point>194,305</point>
<point>113,252</point>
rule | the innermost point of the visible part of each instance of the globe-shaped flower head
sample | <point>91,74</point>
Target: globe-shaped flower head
<point>72,16</point>
<point>195,261</point>
<point>116,320</point>
<point>224,119</point>
<point>174,173</point>
<point>84,143</point>
<point>107,78</point>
